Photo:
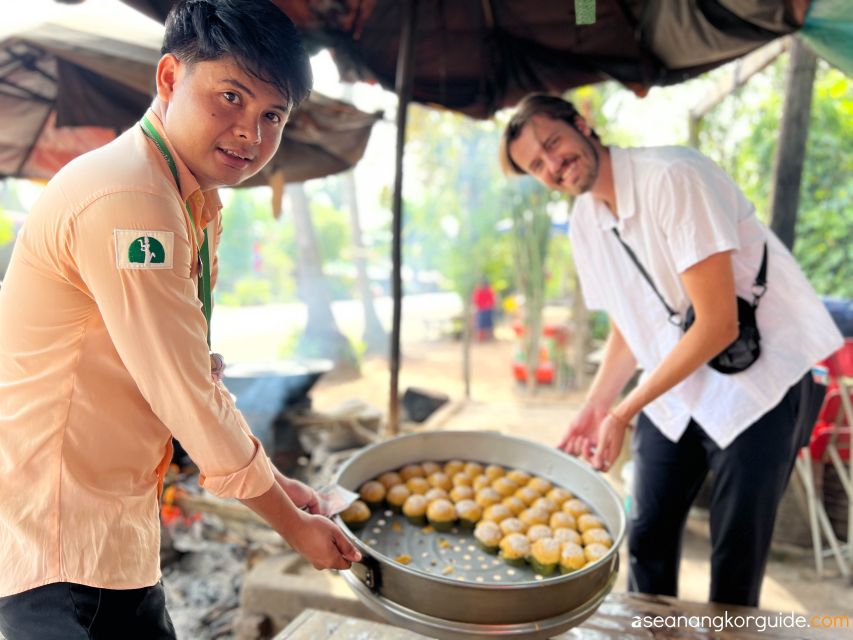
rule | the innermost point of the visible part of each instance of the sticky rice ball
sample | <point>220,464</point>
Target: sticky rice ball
<point>418,485</point>
<point>474,469</point>
<point>562,520</point>
<point>519,477</point>
<point>414,508</point>
<point>575,507</point>
<point>487,497</point>
<point>538,531</point>
<point>469,513</point>
<point>356,515</point>
<point>436,494</point>
<point>544,556</point>
<point>527,495</point>
<point>480,482</point>
<point>515,504</point>
<point>441,514</point>
<point>430,467</point>
<point>396,496</point>
<point>488,536</point>
<point>589,521</point>
<point>440,480</point>
<point>460,493</point>
<point>461,479</point>
<point>540,485</point>
<point>372,493</point>
<point>494,471</point>
<point>512,525</point>
<point>572,557</point>
<point>411,471</point>
<point>514,549</point>
<point>567,535</point>
<point>594,552</point>
<point>504,486</point>
<point>559,495</point>
<point>544,503</point>
<point>534,516</point>
<point>452,467</point>
<point>597,536</point>
<point>390,478</point>
<point>496,512</point>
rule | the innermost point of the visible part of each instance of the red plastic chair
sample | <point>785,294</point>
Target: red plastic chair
<point>830,442</point>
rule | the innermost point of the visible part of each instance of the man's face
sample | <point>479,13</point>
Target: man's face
<point>224,123</point>
<point>556,154</point>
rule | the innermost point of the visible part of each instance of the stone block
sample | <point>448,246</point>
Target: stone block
<point>282,586</point>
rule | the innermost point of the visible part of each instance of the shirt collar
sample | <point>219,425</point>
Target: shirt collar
<point>207,202</point>
<point>623,173</point>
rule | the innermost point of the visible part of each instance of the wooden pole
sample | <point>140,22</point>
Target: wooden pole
<point>405,60</point>
<point>791,151</point>
<point>734,79</point>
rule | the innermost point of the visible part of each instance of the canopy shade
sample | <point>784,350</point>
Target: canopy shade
<point>73,82</point>
<point>477,56</point>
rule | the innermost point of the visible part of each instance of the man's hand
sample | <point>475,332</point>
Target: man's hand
<point>322,543</point>
<point>583,432</point>
<point>611,433</point>
<point>303,496</point>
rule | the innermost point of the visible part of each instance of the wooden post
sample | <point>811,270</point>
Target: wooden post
<point>734,79</point>
<point>405,61</point>
<point>791,151</point>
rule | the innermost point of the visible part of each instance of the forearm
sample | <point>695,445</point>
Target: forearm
<point>701,343</point>
<point>277,509</point>
<point>617,366</point>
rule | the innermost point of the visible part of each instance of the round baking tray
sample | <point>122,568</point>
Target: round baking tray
<point>455,583</point>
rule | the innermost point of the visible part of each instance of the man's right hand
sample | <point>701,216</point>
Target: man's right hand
<point>582,434</point>
<point>322,543</point>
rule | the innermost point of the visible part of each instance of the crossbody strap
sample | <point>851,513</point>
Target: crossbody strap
<point>203,263</point>
<point>759,287</point>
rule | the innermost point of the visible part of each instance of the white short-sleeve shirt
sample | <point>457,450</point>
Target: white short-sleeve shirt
<point>676,208</point>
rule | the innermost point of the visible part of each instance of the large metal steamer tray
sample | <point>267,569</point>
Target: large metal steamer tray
<point>451,589</point>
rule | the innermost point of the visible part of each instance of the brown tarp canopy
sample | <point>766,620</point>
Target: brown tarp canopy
<point>71,83</point>
<point>477,56</point>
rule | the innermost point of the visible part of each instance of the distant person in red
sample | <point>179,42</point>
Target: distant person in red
<point>484,302</point>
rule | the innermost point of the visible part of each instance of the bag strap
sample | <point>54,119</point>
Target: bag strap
<point>759,287</point>
<point>674,316</point>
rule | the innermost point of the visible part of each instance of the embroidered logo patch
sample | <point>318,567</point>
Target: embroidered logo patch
<point>139,249</point>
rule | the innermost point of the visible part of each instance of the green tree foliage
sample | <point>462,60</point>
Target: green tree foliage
<point>742,134</point>
<point>257,253</point>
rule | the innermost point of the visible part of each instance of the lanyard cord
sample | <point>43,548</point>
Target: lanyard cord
<point>203,264</point>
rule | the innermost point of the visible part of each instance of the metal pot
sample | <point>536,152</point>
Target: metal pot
<point>446,606</point>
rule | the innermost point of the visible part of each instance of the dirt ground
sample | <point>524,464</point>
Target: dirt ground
<point>498,403</point>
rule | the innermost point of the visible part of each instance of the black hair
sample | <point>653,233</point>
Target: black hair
<point>260,38</point>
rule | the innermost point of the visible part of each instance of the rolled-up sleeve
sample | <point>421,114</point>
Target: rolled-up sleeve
<point>151,311</point>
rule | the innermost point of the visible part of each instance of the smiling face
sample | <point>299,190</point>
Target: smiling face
<point>224,123</point>
<point>558,155</point>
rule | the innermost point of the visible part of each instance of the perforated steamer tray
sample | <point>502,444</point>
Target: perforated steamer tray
<point>455,591</point>
<point>453,555</point>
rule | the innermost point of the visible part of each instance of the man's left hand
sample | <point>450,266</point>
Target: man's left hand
<point>611,433</point>
<point>303,496</point>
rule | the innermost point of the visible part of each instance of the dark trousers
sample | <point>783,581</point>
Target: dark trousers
<point>749,478</point>
<point>68,611</point>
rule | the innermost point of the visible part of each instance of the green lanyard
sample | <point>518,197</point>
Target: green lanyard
<point>203,264</point>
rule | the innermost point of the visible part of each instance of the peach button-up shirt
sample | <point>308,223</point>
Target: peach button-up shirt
<point>103,357</point>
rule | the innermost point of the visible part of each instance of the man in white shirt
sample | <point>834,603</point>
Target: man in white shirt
<point>697,238</point>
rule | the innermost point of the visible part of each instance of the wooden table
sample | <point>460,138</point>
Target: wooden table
<point>620,616</point>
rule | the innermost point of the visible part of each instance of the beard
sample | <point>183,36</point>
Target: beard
<point>592,163</point>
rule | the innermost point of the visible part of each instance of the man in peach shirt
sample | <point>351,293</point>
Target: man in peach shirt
<point>103,352</point>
